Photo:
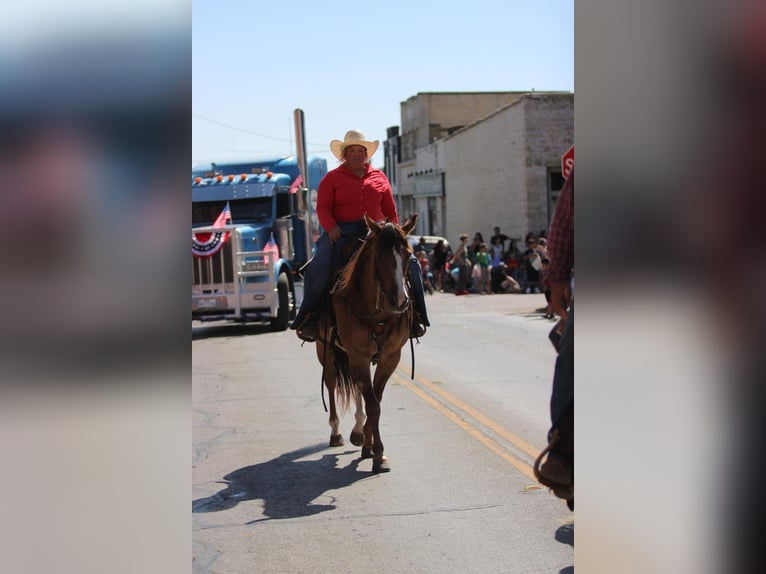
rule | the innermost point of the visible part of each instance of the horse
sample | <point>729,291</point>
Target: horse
<point>373,312</point>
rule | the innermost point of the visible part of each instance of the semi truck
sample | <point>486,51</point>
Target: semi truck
<point>248,267</point>
<point>253,228</point>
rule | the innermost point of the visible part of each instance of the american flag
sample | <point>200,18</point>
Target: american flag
<point>223,217</point>
<point>296,184</point>
<point>207,244</point>
<point>272,247</point>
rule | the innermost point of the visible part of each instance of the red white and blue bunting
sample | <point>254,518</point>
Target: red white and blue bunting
<point>209,243</point>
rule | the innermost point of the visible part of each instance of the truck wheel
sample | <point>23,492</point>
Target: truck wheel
<point>282,320</point>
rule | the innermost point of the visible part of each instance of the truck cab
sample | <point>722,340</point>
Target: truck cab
<point>249,268</point>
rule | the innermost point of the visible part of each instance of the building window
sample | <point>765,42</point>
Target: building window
<point>555,183</point>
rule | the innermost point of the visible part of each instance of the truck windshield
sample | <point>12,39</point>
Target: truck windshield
<point>242,210</point>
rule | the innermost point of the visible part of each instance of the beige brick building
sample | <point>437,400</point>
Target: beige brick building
<point>467,162</point>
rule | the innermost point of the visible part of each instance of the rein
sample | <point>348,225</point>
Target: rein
<point>378,309</point>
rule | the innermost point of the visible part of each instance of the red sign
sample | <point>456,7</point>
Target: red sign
<point>567,162</point>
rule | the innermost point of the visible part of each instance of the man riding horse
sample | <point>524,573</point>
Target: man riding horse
<point>344,195</point>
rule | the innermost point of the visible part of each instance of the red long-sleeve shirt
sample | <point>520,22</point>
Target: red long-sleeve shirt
<point>561,235</point>
<point>344,196</point>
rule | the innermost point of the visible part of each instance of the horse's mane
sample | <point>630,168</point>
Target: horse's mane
<point>385,238</point>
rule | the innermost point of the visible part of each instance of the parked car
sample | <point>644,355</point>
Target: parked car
<point>430,241</point>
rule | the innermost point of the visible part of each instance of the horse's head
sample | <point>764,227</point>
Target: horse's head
<point>392,250</point>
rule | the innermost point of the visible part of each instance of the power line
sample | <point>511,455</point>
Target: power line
<point>231,127</point>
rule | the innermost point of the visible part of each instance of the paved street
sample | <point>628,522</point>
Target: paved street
<point>270,495</point>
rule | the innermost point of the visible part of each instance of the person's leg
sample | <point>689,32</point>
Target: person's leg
<point>314,281</point>
<point>418,297</point>
<point>563,376</point>
<point>462,274</point>
<point>558,470</point>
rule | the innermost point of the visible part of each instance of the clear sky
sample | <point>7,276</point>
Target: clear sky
<point>349,65</point>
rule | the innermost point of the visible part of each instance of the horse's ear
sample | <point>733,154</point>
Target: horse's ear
<point>371,224</point>
<point>409,225</point>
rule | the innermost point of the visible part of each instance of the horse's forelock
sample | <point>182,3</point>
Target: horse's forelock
<point>391,235</point>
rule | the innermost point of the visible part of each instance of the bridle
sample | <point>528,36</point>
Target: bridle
<point>380,295</point>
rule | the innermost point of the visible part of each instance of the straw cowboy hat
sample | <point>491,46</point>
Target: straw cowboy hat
<point>353,137</point>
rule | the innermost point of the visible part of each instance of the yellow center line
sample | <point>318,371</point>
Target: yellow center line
<point>520,465</point>
<point>471,411</point>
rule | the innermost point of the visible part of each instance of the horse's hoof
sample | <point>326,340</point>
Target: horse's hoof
<point>366,452</point>
<point>336,440</point>
<point>356,438</point>
<point>381,465</point>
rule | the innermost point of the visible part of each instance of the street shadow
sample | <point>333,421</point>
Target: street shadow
<point>565,535</point>
<point>209,331</point>
<point>286,484</point>
<point>537,315</point>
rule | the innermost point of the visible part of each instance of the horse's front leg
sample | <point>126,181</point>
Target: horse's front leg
<point>360,371</point>
<point>373,445</point>
<point>386,367</point>
<point>372,430</point>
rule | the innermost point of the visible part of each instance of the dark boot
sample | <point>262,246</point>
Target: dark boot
<point>308,329</point>
<point>418,329</point>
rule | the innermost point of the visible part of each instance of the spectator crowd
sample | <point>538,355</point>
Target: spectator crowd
<point>504,265</point>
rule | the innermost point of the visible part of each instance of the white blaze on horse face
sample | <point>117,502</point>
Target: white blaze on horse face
<point>399,274</point>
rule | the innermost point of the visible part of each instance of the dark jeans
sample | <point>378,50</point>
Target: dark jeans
<point>328,257</point>
<point>562,396</point>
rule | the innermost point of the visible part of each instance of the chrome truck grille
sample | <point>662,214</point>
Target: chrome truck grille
<point>233,284</point>
<point>210,273</point>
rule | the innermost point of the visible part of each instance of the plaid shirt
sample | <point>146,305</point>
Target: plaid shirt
<point>561,235</point>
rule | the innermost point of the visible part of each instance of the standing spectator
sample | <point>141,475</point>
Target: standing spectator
<point>475,245</point>
<point>462,262</point>
<point>439,263</point>
<point>496,250</point>
<point>542,250</point>
<point>533,265</point>
<point>557,472</point>
<point>500,238</point>
<point>482,263</point>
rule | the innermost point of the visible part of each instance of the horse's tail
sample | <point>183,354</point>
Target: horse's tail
<point>345,389</point>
